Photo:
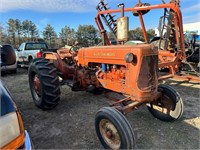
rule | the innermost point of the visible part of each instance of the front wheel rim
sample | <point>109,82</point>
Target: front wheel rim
<point>109,134</point>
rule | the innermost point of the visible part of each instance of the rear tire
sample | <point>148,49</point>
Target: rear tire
<point>113,129</point>
<point>169,107</point>
<point>44,84</point>
<point>30,60</point>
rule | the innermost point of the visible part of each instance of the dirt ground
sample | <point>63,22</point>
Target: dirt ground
<point>71,124</point>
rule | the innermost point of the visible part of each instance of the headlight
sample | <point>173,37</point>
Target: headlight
<point>9,128</point>
<point>130,58</point>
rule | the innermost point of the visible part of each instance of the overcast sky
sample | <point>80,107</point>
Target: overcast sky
<point>74,12</point>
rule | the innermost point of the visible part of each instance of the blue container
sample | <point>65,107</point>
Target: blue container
<point>103,67</point>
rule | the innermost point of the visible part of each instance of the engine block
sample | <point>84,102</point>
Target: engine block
<point>127,69</point>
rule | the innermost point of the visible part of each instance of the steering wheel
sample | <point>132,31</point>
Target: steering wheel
<point>74,48</point>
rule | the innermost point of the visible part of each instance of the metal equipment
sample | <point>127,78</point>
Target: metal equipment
<point>170,43</point>
<point>129,70</point>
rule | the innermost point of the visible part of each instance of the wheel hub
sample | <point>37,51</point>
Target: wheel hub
<point>110,134</point>
<point>37,85</point>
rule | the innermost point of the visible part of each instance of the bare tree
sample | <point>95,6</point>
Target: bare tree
<point>3,35</point>
<point>18,30</point>
<point>11,31</point>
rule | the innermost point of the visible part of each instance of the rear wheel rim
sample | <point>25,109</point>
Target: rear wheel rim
<point>37,86</point>
<point>168,108</point>
<point>109,134</point>
<point>163,105</point>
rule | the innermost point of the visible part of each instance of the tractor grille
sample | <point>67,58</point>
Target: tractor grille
<point>148,73</point>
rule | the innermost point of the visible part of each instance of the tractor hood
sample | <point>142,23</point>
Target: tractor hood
<point>113,54</point>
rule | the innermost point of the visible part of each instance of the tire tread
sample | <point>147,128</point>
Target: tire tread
<point>49,83</point>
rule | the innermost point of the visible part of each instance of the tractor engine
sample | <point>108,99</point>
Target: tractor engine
<point>127,69</point>
<point>88,76</point>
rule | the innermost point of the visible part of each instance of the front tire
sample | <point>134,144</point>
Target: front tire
<point>169,107</point>
<point>44,84</point>
<point>113,129</point>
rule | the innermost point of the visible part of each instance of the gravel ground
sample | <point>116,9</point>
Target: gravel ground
<point>71,124</point>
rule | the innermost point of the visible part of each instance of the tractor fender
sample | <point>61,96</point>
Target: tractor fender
<point>55,58</point>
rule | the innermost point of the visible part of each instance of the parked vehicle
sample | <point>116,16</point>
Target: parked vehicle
<point>12,67</point>
<point>29,51</point>
<point>12,133</point>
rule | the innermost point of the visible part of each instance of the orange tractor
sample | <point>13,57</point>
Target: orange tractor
<point>130,70</point>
